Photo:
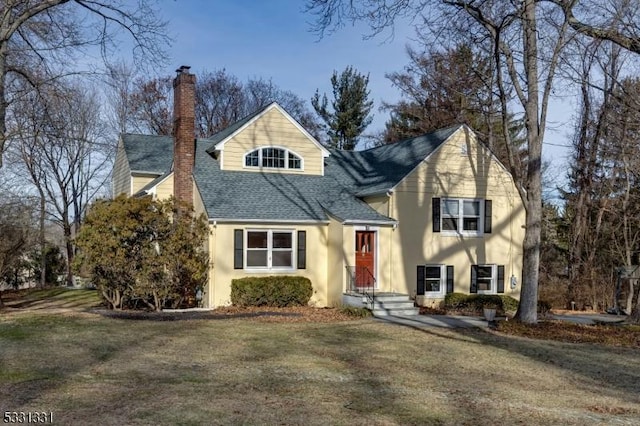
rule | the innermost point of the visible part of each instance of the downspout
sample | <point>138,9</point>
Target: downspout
<point>392,235</point>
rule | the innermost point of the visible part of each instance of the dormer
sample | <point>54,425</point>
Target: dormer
<point>269,141</point>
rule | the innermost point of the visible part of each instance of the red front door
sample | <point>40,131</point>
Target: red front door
<point>365,258</point>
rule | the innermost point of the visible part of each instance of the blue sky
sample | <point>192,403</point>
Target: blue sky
<point>272,39</point>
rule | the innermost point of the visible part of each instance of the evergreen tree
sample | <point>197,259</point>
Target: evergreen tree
<point>350,108</point>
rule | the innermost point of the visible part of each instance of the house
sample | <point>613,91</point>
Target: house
<point>422,217</point>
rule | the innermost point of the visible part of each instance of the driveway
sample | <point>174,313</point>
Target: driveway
<point>588,318</point>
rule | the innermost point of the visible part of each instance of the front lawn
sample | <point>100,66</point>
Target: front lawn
<point>93,369</point>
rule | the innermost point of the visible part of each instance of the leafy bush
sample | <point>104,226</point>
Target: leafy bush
<point>278,291</point>
<point>543,307</point>
<point>354,311</point>
<point>141,252</point>
<point>474,303</point>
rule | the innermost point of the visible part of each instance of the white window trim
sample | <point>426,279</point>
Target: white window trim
<point>460,217</point>
<point>269,267</point>
<point>443,282</point>
<point>286,161</point>
<point>494,280</point>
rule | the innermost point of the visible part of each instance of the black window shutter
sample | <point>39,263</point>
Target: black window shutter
<point>421,280</point>
<point>435,209</point>
<point>500,278</point>
<point>487,216</point>
<point>474,279</point>
<point>302,249</point>
<point>238,249</point>
<point>449,278</point>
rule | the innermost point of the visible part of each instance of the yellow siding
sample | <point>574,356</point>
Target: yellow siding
<point>461,168</point>
<point>164,189</point>
<point>222,272</point>
<point>272,129</point>
<point>337,261</point>
<point>198,204</point>
<point>139,182</point>
<point>379,203</point>
<point>121,173</point>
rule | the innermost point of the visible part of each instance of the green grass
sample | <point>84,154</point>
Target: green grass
<point>57,297</point>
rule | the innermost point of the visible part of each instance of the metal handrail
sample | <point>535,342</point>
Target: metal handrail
<point>362,275</point>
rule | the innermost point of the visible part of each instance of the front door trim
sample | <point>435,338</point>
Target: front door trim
<point>376,243</point>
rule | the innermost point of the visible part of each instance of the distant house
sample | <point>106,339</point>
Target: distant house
<point>422,217</point>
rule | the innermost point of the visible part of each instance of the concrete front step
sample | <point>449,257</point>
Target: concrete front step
<point>383,304</point>
<point>393,297</point>
<point>379,312</point>
<point>393,304</point>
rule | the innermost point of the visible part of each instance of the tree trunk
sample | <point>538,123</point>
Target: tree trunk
<point>634,318</point>
<point>3,100</point>
<point>69,249</point>
<point>43,242</point>
<point>528,306</point>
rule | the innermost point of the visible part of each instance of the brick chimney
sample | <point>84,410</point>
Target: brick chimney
<point>184,135</point>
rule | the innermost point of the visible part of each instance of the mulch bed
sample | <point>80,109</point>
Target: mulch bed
<point>261,314</point>
<point>605,334</point>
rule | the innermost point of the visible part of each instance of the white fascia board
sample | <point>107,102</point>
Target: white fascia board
<point>268,221</point>
<point>370,222</point>
<point>220,145</point>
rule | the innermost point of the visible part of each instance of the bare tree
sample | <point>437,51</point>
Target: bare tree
<point>44,35</point>
<point>61,143</point>
<point>221,100</point>
<point>511,31</point>
<point>16,226</point>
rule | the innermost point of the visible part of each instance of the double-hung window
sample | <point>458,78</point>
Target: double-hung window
<point>434,280</point>
<point>434,283</point>
<point>462,216</point>
<point>487,279</point>
<point>269,249</point>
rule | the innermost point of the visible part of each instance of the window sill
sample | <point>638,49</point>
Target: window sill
<point>461,234</point>
<point>433,295</point>
<point>268,271</point>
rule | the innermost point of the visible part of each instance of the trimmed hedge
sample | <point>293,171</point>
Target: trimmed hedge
<point>278,291</point>
<point>476,302</point>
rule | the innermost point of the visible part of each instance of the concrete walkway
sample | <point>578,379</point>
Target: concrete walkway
<point>443,321</point>
<point>454,321</point>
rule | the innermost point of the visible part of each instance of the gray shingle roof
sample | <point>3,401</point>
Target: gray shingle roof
<point>240,195</point>
<point>148,153</point>
<point>378,170</point>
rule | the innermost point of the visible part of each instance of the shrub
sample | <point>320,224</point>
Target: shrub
<point>474,303</point>
<point>141,253</point>
<point>277,291</point>
<point>354,311</point>
<point>543,307</point>
<point>509,303</point>
<point>455,300</point>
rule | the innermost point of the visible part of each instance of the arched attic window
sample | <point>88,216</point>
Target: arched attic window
<point>273,158</point>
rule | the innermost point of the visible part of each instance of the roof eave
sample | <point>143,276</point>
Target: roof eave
<point>266,221</point>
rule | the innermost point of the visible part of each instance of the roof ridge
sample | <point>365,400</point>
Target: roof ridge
<point>406,140</point>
